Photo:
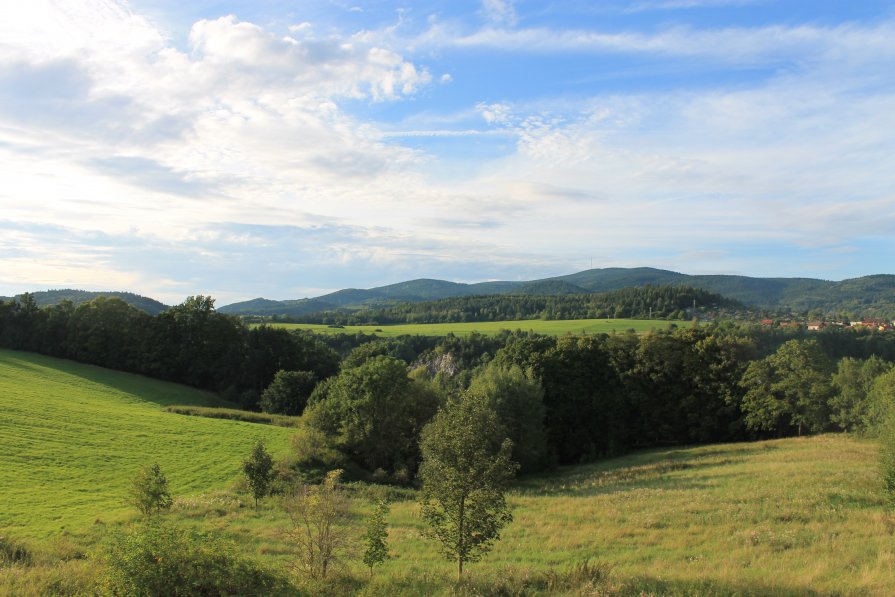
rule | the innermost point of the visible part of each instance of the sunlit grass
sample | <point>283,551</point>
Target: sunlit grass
<point>786,517</point>
<point>73,436</point>
<point>490,328</point>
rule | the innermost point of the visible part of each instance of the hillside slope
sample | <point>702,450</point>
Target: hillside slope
<point>871,296</point>
<point>74,435</point>
<point>45,298</point>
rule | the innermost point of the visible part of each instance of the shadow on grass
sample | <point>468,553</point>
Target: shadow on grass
<point>643,470</point>
<point>162,393</point>
<point>585,578</point>
<point>647,586</point>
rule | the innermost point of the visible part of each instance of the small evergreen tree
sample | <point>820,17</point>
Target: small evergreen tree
<point>149,491</point>
<point>376,537</point>
<point>258,470</point>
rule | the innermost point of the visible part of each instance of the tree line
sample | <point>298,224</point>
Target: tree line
<point>562,400</point>
<point>190,343</point>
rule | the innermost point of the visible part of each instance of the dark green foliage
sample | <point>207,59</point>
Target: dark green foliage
<point>853,381</point>
<point>872,296</point>
<point>52,298</point>
<point>13,552</point>
<point>161,559</point>
<point>465,469</point>
<point>405,348</point>
<point>887,466</point>
<point>288,393</point>
<point>258,470</point>
<point>788,390</point>
<point>518,401</point>
<point>375,413</point>
<point>149,491</point>
<point>658,302</point>
<point>880,408</point>
<point>376,536</point>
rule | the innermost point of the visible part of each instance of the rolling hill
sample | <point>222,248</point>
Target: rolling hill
<point>74,435</point>
<point>45,298</point>
<point>867,296</point>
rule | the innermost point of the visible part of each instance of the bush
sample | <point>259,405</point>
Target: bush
<point>13,552</point>
<point>288,393</point>
<point>161,559</point>
<point>234,415</point>
<point>313,449</point>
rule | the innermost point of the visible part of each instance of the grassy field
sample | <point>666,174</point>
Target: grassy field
<point>787,517</point>
<point>798,516</point>
<point>552,328</point>
<point>73,436</point>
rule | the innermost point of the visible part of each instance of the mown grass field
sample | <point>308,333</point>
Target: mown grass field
<point>73,436</point>
<point>552,328</point>
<point>798,516</point>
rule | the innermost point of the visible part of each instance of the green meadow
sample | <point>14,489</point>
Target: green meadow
<point>801,516</point>
<point>552,328</point>
<point>73,436</point>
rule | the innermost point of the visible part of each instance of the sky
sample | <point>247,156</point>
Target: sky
<point>286,149</point>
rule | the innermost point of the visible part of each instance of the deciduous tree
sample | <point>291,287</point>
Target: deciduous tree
<point>376,536</point>
<point>258,470</point>
<point>466,467</point>
<point>319,514</point>
<point>149,490</point>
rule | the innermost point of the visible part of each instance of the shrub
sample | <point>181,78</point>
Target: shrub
<point>13,552</point>
<point>149,491</point>
<point>161,559</point>
<point>234,415</point>
<point>258,471</point>
<point>288,393</point>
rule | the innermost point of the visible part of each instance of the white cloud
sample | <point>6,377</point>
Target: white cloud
<point>110,131</point>
<point>500,12</point>
<point>737,45</point>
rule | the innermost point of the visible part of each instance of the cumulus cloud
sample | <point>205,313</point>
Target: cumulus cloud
<point>232,157</point>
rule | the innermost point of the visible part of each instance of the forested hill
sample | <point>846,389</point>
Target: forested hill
<point>45,298</point>
<point>657,302</point>
<point>869,296</point>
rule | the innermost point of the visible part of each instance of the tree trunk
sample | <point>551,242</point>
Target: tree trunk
<point>460,547</point>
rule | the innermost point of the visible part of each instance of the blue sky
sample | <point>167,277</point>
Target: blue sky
<point>285,149</point>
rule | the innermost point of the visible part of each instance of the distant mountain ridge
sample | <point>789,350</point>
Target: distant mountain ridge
<point>870,295</point>
<point>45,298</point>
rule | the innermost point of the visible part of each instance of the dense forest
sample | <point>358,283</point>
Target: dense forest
<point>562,400</point>
<point>655,302</point>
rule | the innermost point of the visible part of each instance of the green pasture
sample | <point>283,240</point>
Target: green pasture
<point>73,436</point>
<point>550,328</point>
<point>801,516</point>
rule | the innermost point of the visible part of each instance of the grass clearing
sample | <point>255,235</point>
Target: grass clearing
<point>786,517</point>
<point>799,516</point>
<point>74,435</point>
<point>491,328</point>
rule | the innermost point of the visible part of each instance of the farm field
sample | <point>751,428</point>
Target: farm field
<point>74,435</point>
<point>552,328</point>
